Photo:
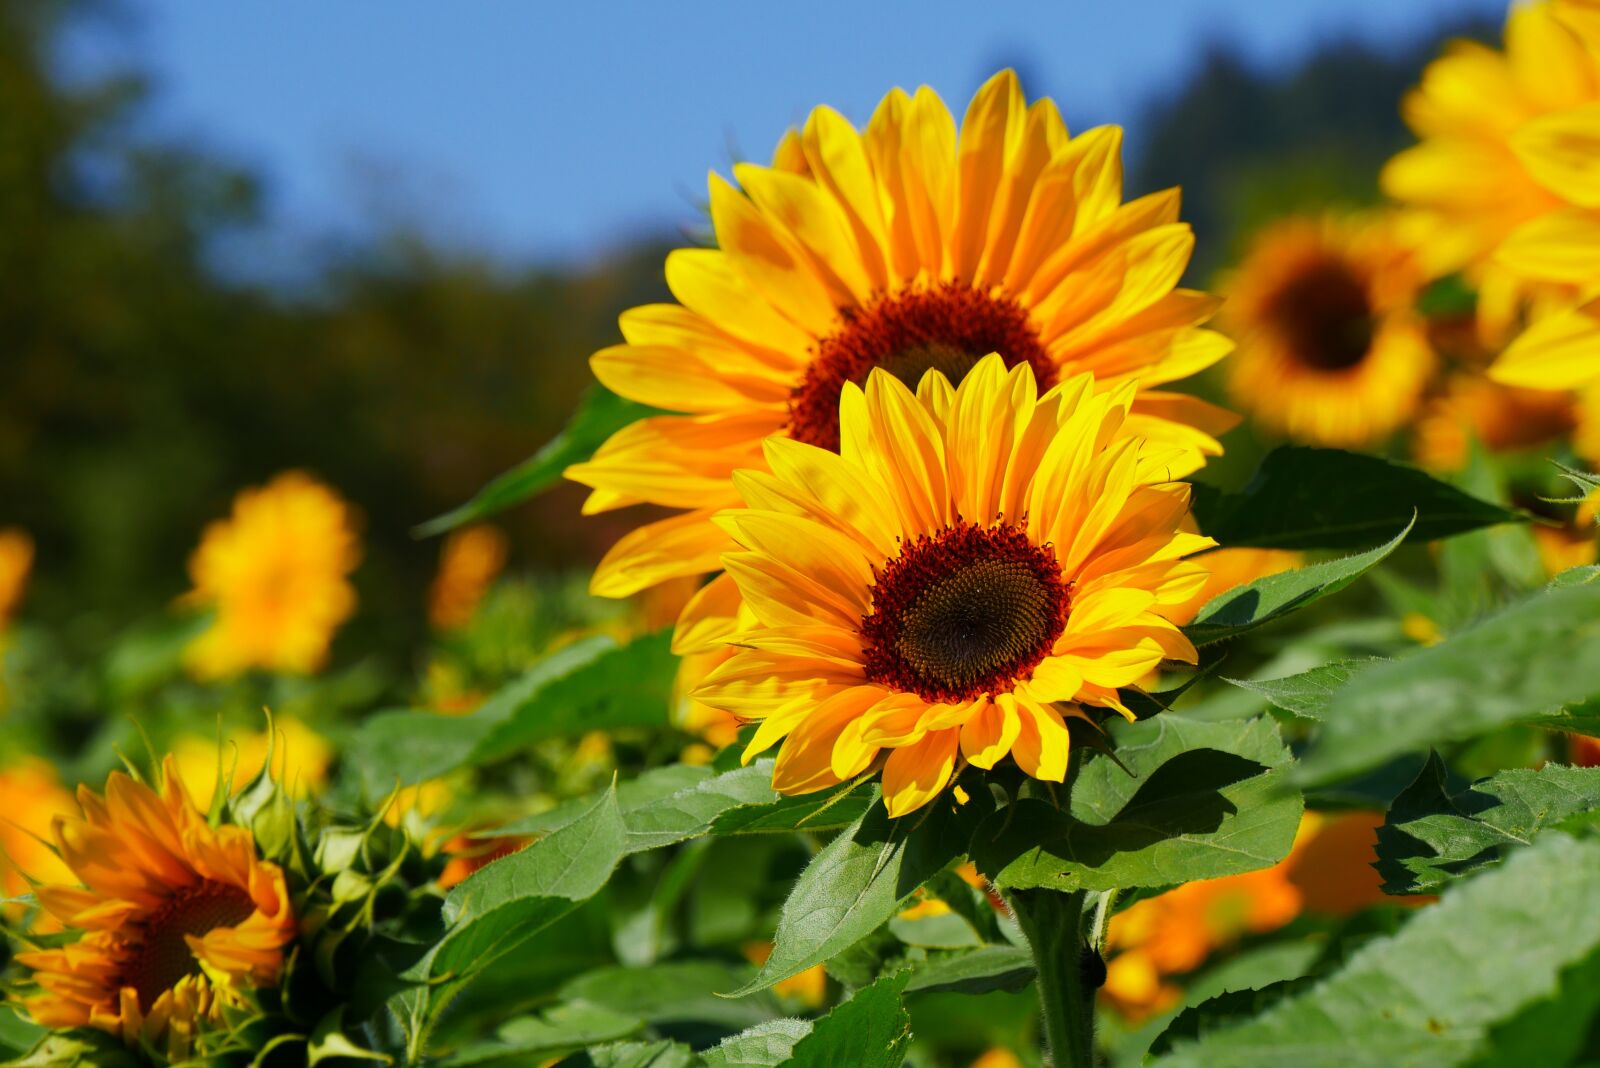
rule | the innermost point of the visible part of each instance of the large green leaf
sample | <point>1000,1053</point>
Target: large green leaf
<point>871,1030</point>
<point>974,971</point>
<point>762,1046</point>
<point>1307,694</point>
<point>503,905</point>
<point>674,993</point>
<point>530,1039</point>
<point>1306,498</point>
<point>1246,607</point>
<point>600,414</point>
<point>1430,994</point>
<point>1199,799</point>
<point>1560,1031</point>
<point>855,884</point>
<point>592,684</point>
<point>1432,835</point>
<point>1534,659</point>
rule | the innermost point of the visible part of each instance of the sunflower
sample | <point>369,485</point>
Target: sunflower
<point>176,918</point>
<point>909,246</point>
<point>31,796</point>
<point>16,560</point>
<point>1470,408</point>
<point>1506,177</point>
<point>1331,351</point>
<point>970,563</point>
<point>468,563</point>
<point>276,574</point>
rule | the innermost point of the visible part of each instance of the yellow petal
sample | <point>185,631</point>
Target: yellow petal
<point>1559,351</point>
<point>915,774</point>
<point>688,544</point>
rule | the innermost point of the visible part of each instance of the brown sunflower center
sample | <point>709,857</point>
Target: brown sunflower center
<point>161,957</point>
<point>967,611</point>
<point>1325,317</point>
<point>948,328</point>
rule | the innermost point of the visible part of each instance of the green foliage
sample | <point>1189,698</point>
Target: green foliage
<point>1305,498</point>
<point>1495,945</point>
<point>600,414</point>
<point>1531,660</point>
<point>1181,800</point>
<point>1434,834</point>
<point>1309,693</point>
<point>1264,600</point>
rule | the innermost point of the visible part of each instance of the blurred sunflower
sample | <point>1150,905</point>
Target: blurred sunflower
<point>300,759</point>
<point>469,560</point>
<point>1328,872</point>
<point>1469,408</point>
<point>31,797</point>
<point>909,246</point>
<point>16,560</point>
<point>1507,176</point>
<point>1331,351</point>
<point>275,572</point>
<point>969,560</point>
<point>175,917</point>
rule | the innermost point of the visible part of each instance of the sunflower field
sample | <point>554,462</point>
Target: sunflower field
<point>951,616</point>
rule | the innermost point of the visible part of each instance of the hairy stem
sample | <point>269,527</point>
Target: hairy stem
<point>1054,924</point>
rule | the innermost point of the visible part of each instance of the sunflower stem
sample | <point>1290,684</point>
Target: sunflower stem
<point>1066,975</point>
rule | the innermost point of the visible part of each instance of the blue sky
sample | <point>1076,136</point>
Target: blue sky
<point>552,131</point>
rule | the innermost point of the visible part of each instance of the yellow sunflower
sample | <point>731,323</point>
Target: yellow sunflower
<point>972,563</point>
<point>1507,176</point>
<point>16,560</point>
<point>468,563</point>
<point>276,573</point>
<point>1331,351</point>
<point>31,796</point>
<point>1469,408</point>
<point>175,916</point>
<point>909,246</point>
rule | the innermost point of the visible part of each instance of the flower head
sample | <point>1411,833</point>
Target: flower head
<point>468,563</point>
<point>973,563</point>
<point>1506,177</point>
<point>911,246</point>
<point>176,917</point>
<point>276,573</point>
<point>1331,351</point>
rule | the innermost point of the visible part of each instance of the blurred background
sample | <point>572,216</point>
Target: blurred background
<point>378,241</point>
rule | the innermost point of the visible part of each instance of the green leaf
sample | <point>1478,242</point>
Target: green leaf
<point>1430,994</point>
<point>592,684</point>
<point>1533,659</point>
<point>1246,607</point>
<point>675,993</point>
<point>1226,1009</point>
<point>1561,1030</point>
<point>1432,835</point>
<point>871,1030</point>
<point>765,1045</point>
<point>17,1034</point>
<point>82,1048</point>
<point>561,1029</point>
<point>651,786</point>
<point>1204,799</point>
<point>855,884</point>
<point>600,414</point>
<point>328,1042</point>
<point>664,1054</point>
<point>1307,694</point>
<point>501,906</point>
<point>975,971</point>
<point>1306,498</point>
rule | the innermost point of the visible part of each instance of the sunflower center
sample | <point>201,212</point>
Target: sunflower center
<point>161,957</point>
<point>964,612</point>
<point>1325,317</point>
<point>948,328</point>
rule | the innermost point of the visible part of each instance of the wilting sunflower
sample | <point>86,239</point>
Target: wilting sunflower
<point>177,917</point>
<point>968,566</point>
<point>1506,176</point>
<point>1331,351</point>
<point>276,573</point>
<point>908,246</point>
